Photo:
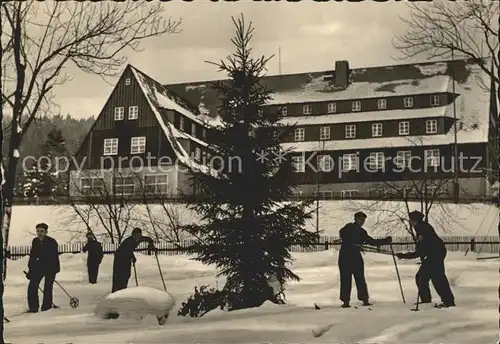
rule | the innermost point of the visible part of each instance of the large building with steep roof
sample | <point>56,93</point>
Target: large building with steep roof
<point>354,130</point>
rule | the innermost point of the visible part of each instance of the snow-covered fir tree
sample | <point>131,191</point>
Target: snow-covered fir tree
<point>44,178</point>
<point>248,228</point>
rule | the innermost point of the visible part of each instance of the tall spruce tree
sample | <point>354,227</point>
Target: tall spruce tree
<point>247,226</point>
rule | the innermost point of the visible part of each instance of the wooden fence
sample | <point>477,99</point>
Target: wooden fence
<point>487,245</point>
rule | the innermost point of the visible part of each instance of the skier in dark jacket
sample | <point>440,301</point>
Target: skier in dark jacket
<point>94,257</point>
<point>43,264</point>
<point>124,258</point>
<point>350,260</point>
<point>432,251</point>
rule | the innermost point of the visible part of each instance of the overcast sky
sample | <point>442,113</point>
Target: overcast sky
<point>312,37</point>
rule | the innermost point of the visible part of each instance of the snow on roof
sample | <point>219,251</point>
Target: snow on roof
<point>401,114</point>
<point>152,94</point>
<point>319,89</point>
<point>386,142</point>
<point>472,102</point>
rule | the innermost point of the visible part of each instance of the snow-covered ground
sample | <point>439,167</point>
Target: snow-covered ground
<point>449,219</point>
<point>474,283</point>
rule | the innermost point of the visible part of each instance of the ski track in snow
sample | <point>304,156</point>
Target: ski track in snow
<point>389,321</point>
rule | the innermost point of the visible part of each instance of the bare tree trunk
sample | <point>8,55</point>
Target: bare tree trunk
<point>2,252</point>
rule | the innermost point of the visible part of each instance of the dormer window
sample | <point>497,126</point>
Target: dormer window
<point>332,107</point>
<point>381,104</point>
<point>307,109</point>
<point>408,102</point>
<point>435,100</point>
<point>356,105</point>
<point>431,126</point>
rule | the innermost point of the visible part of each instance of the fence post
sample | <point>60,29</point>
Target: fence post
<point>473,245</point>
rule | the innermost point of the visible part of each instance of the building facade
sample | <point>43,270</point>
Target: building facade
<point>426,128</point>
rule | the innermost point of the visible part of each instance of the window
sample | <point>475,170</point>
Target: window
<point>204,133</point>
<point>408,102</point>
<point>323,194</point>
<point>299,164</point>
<point>407,192</point>
<point>377,129</point>
<point>92,186</point>
<point>156,183</point>
<point>325,163</point>
<point>435,100</point>
<point>181,123</point>
<point>110,147</point>
<point>332,107</point>
<point>324,133</point>
<point>431,126</point>
<point>300,134</point>
<point>350,131</point>
<point>404,128</point>
<point>284,111</point>
<point>127,81</point>
<point>376,161</point>
<point>403,159</point>
<point>381,104</point>
<point>133,112</point>
<point>197,154</point>
<point>356,105</point>
<point>431,191</point>
<point>432,157</point>
<point>138,145</point>
<point>119,113</point>
<point>349,193</point>
<point>124,185</point>
<point>297,193</point>
<point>307,109</point>
<point>193,129</point>
<point>349,162</point>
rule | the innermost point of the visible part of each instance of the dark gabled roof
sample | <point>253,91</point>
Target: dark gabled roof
<point>160,99</point>
<point>365,82</point>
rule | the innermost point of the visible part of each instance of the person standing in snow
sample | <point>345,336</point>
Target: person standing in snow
<point>351,263</point>
<point>94,256</point>
<point>432,250</point>
<point>124,258</point>
<point>43,264</point>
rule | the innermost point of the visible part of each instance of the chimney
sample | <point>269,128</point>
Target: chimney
<point>341,74</point>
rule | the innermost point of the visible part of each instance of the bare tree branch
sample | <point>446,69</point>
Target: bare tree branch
<point>468,28</point>
<point>42,39</point>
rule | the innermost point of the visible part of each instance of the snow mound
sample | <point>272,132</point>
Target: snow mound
<point>136,303</point>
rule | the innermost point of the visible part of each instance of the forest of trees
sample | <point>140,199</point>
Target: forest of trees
<point>48,136</point>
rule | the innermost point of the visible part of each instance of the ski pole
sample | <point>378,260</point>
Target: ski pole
<point>40,288</point>
<point>418,293</point>
<point>73,301</point>
<point>397,273</point>
<point>135,275</point>
<point>161,273</point>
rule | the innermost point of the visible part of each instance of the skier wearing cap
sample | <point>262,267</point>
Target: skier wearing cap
<point>124,258</point>
<point>351,263</point>
<point>43,264</point>
<point>94,256</point>
<point>431,249</point>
